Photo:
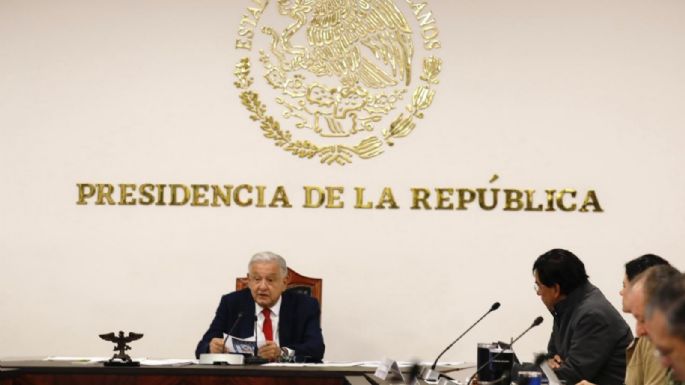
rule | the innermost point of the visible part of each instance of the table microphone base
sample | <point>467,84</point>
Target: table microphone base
<point>428,374</point>
<point>251,360</point>
<point>221,359</point>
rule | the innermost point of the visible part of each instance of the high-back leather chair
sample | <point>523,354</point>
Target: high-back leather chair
<point>296,282</point>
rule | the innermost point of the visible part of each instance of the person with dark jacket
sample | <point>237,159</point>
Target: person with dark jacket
<point>589,336</point>
<point>287,324</point>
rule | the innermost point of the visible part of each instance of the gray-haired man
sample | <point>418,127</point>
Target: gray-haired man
<point>665,322</point>
<point>289,323</point>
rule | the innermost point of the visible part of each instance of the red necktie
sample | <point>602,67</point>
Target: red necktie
<point>267,328</point>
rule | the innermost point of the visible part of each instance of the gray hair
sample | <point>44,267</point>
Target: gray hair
<point>663,288</point>
<point>267,256</point>
<point>675,319</point>
<point>654,279</point>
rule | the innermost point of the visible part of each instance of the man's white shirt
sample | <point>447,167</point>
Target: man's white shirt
<point>275,312</point>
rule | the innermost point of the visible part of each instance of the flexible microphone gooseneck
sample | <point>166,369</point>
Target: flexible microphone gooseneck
<point>223,358</point>
<point>255,359</point>
<point>256,333</point>
<point>430,374</point>
<point>494,307</point>
<point>536,322</point>
<point>230,331</point>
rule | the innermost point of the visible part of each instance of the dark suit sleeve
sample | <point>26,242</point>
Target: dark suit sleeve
<point>551,348</point>
<point>590,349</point>
<point>216,328</point>
<point>308,344</point>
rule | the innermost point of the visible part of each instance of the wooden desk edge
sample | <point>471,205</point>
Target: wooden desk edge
<point>358,380</point>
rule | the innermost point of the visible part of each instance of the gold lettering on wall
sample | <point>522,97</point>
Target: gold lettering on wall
<point>445,198</point>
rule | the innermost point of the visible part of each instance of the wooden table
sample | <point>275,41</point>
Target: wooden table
<point>58,373</point>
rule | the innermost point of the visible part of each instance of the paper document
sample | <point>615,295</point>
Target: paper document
<point>409,364</point>
<point>168,362</point>
<point>242,345</point>
<point>85,360</point>
<point>550,374</point>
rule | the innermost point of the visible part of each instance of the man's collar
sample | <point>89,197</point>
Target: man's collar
<point>572,299</point>
<point>275,309</point>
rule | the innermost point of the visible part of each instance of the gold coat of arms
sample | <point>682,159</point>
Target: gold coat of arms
<point>339,75</point>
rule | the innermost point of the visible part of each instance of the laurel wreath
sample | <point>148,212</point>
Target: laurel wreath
<point>368,148</point>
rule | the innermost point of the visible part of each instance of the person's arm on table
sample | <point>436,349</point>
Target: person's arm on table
<point>212,341</point>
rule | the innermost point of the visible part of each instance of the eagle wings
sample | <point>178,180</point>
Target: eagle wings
<point>121,339</point>
<point>341,32</point>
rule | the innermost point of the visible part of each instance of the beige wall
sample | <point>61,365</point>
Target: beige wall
<point>582,94</point>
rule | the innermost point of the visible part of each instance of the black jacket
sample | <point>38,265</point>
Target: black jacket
<point>591,338</point>
<point>299,326</point>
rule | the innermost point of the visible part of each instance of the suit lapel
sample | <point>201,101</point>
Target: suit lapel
<point>246,326</point>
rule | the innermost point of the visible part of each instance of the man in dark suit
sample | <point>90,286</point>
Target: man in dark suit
<point>289,323</point>
<point>589,337</point>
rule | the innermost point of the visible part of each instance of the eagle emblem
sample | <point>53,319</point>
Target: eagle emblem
<point>338,68</point>
<point>341,35</point>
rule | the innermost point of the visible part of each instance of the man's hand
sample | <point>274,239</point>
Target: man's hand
<point>216,345</point>
<point>270,351</point>
<point>555,362</point>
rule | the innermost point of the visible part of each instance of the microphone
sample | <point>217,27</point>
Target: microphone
<point>431,374</point>
<point>535,323</point>
<point>494,307</point>
<point>230,331</point>
<point>256,334</point>
<point>255,359</point>
<point>224,358</point>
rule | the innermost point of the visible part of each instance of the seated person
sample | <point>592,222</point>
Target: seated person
<point>643,365</point>
<point>665,318</point>
<point>589,337</point>
<point>288,322</point>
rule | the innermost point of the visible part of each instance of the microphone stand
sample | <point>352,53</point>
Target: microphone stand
<point>224,358</point>
<point>432,374</point>
<point>230,331</point>
<point>537,322</point>
<point>255,359</point>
